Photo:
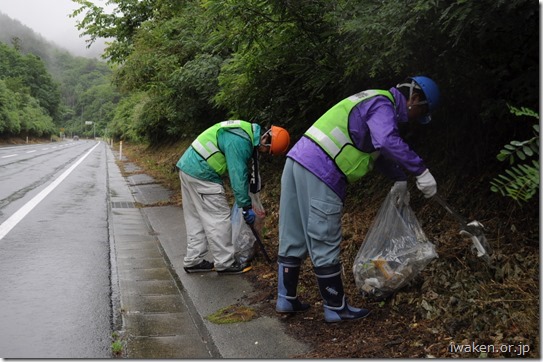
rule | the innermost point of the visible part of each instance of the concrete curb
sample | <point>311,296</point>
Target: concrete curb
<point>162,232</point>
<point>150,311</point>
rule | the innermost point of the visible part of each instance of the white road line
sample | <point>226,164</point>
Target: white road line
<point>9,156</point>
<point>31,151</point>
<point>14,219</point>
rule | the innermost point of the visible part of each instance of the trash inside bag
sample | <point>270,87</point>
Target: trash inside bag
<point>394,251</point>
<point>242,236</point>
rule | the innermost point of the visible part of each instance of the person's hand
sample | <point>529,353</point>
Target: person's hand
<point>400,193</point>
<point>427,184</point>
<point>249,216</point>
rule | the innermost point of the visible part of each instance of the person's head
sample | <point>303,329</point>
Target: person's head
<point>423,97</point>
<point>274,141</point>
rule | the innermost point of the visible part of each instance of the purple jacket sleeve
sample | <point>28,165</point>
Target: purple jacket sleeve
<point>382,122</point>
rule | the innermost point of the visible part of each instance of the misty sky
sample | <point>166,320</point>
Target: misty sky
<point>49,18</point>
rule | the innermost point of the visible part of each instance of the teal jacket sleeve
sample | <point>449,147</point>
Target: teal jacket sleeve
<point>238,150</point>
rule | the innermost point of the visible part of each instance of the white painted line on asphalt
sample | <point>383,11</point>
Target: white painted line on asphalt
<point>9,156</point>
<point>31,151</point>
<point>14,219</point>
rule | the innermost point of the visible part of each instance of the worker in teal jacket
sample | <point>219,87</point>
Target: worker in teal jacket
<point>224,148</point>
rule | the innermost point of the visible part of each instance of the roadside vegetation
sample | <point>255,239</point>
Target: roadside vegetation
<point>47,92</point>
<point>188,65</point>
<point>456,301</point>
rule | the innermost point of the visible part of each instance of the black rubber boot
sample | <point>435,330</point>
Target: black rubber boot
<point>336,308</point>
<point>287,283</point>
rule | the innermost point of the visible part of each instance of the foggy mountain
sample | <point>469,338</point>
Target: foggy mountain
<point>31,42</point>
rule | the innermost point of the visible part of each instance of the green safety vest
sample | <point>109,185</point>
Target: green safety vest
<point>331,133</point>
<point>206,144</point>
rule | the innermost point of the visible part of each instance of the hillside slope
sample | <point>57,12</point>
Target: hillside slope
<point>456,302</point>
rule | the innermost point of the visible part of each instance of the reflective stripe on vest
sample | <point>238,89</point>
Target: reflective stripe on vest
<point>331,133</point>
<point>206,144</point>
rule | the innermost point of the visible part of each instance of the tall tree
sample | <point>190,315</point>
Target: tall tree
<point>29,97</point>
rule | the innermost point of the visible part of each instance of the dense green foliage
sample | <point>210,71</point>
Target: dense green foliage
<point>195,62</point>
<point>49,91</point>
<point>87,94</point>
<point>29,98</point>
<point>286,62</point>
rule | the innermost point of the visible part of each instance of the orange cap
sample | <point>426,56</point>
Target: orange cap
<point>280,140</point>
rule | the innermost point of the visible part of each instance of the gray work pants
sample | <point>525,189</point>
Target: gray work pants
<point>309,217</point>
<point>207,220</point>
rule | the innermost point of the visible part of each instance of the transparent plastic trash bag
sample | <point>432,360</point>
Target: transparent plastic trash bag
<point>242,235</point>
<point>394,251</point>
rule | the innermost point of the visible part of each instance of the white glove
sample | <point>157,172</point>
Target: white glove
<point>400,193</point>
<point>427,184</point>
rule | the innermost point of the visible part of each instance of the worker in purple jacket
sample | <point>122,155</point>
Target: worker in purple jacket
<point>353,137</point>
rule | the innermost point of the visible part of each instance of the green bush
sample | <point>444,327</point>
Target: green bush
<point>521,181</point>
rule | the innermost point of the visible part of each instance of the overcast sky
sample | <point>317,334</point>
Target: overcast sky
<point>50,19</point>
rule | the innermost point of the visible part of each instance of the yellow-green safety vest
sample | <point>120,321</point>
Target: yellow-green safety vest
<point>206,144</point>
<point>331,133</point>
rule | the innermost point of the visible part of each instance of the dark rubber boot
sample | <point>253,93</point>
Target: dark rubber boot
<point>336,308</point>
<point>287,283</point>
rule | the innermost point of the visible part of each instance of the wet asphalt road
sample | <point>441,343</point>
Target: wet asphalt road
<point>55,288</point>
